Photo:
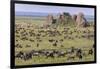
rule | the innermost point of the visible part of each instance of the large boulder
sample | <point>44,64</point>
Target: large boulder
<point>81,20</point>
<point>50,19</point>
<point>68,19</point>
<point>60,19</point>
<point>74,17</point>
<point>65,19</point>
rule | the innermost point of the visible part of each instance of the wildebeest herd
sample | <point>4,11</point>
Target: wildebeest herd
<point>34,43</point>
<point>71,54</point>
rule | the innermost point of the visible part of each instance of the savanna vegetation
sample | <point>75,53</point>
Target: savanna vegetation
<point>37,42</point>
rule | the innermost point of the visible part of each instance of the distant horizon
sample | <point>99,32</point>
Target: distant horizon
<point>48,13</point>
<point>38,15</point>
<point>52,9</point>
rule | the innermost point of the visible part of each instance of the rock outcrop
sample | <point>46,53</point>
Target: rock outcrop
<point>81,20</point>
<point>66,19</point>
<point>50,19</point>
<point>74,17</point>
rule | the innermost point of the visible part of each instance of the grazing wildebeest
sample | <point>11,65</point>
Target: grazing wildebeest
<point>71,50</point>
<point>61,54</point>
<point>18,46</point>
<point>71,56</point>
<point>27,56</point>
<point>24,38</point>
<point>62,45</point>
<point>51,53</point>
<point>35,53</point>
<point>61,40</point>
<point>31,40</point>
<point>37,45</point>
<point>90,52</point>
<point>18,36</point>
<point>39,40</point>
<point>51,40</point>
<point>28,45</point>
<point>55,44</point>
<point>16,40</point>
<point>79,53</point>
<point>19,55</point>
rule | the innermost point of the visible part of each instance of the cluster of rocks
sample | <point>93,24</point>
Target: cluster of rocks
<point>80,20</point>
<point>66,19</point>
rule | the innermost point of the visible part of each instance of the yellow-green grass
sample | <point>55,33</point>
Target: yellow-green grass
<point>67,43</point>
<point>44,60</point>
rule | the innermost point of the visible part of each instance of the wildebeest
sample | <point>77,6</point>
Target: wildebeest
<point>54,36</point>
<point>28,45</point>
<point>27,56</point>
<point>19,55</point>
<point>79,53</point>
<point>18,45</point>
<point>90,52</point>
<point>37,45</point>
<point>32,40</point>
<point>51,40</point>
<point>55,44</point>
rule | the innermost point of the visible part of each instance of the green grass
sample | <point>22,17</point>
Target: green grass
<point>67,43</point>
<point>44,60</point>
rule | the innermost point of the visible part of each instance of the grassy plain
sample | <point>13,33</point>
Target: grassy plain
<point>83,43</point>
